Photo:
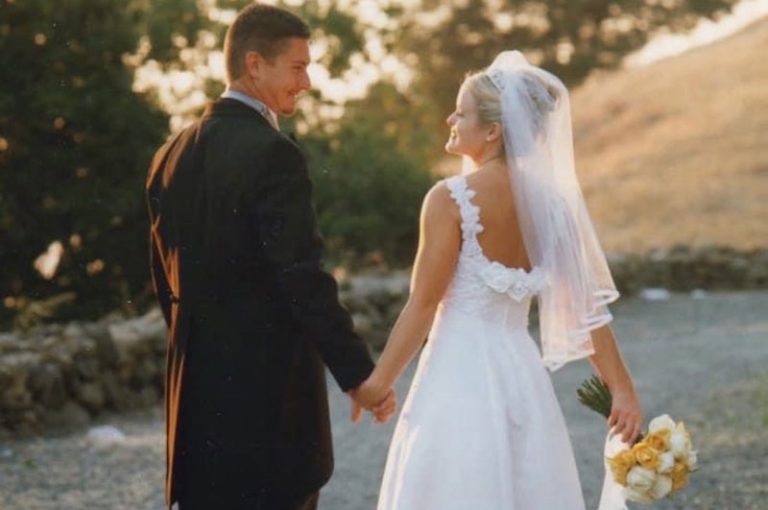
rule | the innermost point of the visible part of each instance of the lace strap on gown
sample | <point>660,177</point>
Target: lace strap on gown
<point>470,213</point>
<point>515,282</point>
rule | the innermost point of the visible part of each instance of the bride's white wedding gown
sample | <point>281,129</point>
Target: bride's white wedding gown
<point>481,428</point>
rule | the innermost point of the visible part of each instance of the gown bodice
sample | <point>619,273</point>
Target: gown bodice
<point>481,287</point>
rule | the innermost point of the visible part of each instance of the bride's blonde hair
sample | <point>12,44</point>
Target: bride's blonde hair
<point>486,95</point>
<point>541,98</point>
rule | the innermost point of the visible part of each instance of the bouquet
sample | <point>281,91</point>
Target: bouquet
<point>659,462</point>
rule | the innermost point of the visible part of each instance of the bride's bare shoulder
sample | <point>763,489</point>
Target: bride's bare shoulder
<point>438,200</point>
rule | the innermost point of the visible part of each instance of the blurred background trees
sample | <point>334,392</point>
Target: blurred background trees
<point>444,40</point>
<point>76,141</point>
<point>77,132</point>
<point>370,181</point>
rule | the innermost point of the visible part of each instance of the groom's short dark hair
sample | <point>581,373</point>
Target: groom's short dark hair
<point>261,28</point>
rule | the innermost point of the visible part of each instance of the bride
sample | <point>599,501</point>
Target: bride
<point>481,428</point>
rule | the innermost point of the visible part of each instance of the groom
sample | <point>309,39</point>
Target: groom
<point>236,265</point>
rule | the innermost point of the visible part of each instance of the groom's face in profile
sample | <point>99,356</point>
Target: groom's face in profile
<point>280,80</point>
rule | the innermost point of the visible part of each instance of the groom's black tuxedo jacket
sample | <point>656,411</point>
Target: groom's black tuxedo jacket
<point>236,264</point>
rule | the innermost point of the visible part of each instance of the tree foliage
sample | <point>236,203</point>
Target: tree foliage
<point>76,144</point>
<point>75,138</point>
<point>442,41</point>
<point>369,183</point>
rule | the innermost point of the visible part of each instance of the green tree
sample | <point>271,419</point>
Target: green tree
<point>75,139</point>
<point>76,142</point>
<point>370,182</point>
<point>569,38</point>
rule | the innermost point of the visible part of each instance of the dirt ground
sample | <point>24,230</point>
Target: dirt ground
<point>701,360</point>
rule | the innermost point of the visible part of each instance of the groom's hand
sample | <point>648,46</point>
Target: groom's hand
<point>357,410</point>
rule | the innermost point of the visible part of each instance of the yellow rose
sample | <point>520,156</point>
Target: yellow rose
<point>679,476</point>
<point>646,455</point>
<point>620,465</point>
<point>659,440</point>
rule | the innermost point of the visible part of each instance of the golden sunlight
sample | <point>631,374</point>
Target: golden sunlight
<point>47,262</point>
<point>665,44</point>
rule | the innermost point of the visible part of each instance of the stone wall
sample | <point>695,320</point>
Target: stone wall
<point>375,301</point>
<point>61,376</point>
<point>58,376</point>
<point>683,269</point>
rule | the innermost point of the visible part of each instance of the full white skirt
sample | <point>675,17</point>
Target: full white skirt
<point>481,428</point>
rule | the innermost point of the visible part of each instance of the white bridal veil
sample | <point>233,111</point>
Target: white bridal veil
<point>556,227</point>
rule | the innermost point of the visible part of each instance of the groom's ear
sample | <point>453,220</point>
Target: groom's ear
<point>254,64</point>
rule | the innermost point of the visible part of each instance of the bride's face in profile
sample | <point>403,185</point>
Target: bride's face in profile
<point>468,133</point>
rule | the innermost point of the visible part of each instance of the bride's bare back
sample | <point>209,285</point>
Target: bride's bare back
<point>501,239</point>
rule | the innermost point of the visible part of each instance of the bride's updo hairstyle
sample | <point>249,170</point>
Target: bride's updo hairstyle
<point>541,98</point>
<point>486,95</point>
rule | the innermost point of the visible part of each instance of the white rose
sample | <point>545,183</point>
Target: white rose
<point>661,487</point>
<point>679,444</point>
<point>663,422</point>
<point>640,478</point>
<point>692,460</point>
<point>637,496</point>
<point>666,462</point>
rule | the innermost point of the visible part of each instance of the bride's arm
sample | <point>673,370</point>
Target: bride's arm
<point>439,244</point>
<point>626,413</point>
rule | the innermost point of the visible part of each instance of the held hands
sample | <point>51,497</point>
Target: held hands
<point>626,416</point>
<point>381,402</point>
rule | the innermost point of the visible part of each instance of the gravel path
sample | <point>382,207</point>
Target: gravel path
<point>700,360</point>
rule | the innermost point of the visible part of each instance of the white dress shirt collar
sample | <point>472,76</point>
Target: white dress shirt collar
<point>254,103</point>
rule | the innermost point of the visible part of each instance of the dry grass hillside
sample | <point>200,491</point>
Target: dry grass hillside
<point>677,152</point>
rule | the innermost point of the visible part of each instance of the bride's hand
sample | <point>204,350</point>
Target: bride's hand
<point>626,416</point>
<point>380,402</point>
<point>384,410</point>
